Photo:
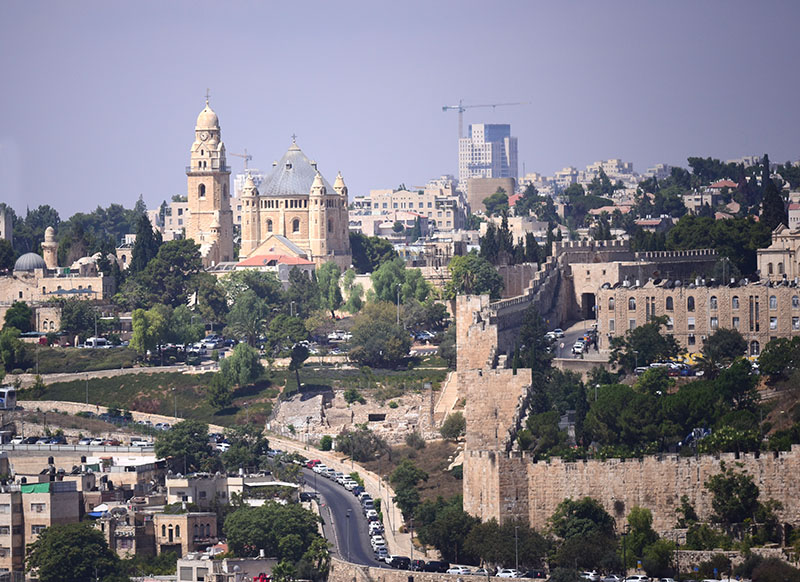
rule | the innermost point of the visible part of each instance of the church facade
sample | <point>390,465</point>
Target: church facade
<point>294,212</point>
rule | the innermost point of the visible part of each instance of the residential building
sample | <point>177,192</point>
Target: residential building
<point>202,567</point>
<point>695,310</point>
<point>781,259</point>
<point>488,152</point>
<point>478,189</point>
<point>184,533</point>
<point>793,212</point>
<point>446,210</point>
<point>170,220</point>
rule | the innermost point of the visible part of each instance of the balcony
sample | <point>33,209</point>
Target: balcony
<point>212,168</point>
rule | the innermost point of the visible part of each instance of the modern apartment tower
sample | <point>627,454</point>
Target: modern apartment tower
<point>488,152</point>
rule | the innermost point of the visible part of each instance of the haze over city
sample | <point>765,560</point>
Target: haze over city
<point>100,99</point>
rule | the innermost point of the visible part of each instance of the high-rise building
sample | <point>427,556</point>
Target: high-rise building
<point>489,152</point>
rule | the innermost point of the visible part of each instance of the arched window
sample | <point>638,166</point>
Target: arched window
<point>670,304</point>
<point>795,302</point>
<point>773,302</point>
<point>735,302</point>
<point>769,268</point>
<point>780,268</point>
<point>177,531</point>
<point>632,303</point>
<point>330,225</point>
<point>690,304</point>
<point>163,530</point>
<point>755,348</point>
<point>269,226</point>
<point>611,304</point>
<point>713,302</point>
<point>195,530</point>
<point>201,190</point>
<point>296,225</point>
<point>52,325</point>
<point>208,530</point>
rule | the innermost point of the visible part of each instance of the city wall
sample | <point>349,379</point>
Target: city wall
<point>492,484</point>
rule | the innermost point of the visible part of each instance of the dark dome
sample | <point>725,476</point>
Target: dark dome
<point>29,262</point>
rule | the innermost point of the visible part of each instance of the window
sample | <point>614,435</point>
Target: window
<point>38,507</point>
<point>690,323</point>
<point>670,304</point>
<point>195,530</point>
<point>691,340</point>
<point>422,205</point>
<point>780,268</point>
<point>37,529</point>
<point>735,323</point>
<point>735,302</point>
<point>201,190</point>
<point>713,303</point>
<point>394,205</point>
<point>163,530</point>
<point>773,323</point>
<point>631,324</point>
<point>670,324</point>
<point>795,323</point>
<point>632,304</point>
<point>177,531</point>
<point>269,226</point>
<point>385,205</point>
<point>5,508</point>
<point>611,326</point>
<point>611,304</point>
<point>795,302</point>
<point>773,302</point>
<point>296,225</point>
<point>5,530</point>
<point>755,348</point>
<point>714,323</point>
<point>769,268</point>
<point>690,304</point>
<point>330,225</point>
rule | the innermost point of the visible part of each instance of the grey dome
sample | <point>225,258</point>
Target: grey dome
<point>293,175</point>
<point>29,262</point>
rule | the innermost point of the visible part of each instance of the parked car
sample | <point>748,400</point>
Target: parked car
<point>399,562</point>
<point>481,572</point>
<point>85,441</point>
<point>372,515</point>
<point>612,578</point>
<point>43,441</point>
<point>559,333</point>
<point>17,440</point>
<point>539,575</point>
<point>381,554</point>
<point>577,347</point>
<point>96,442</point>
<point>464,571</point>
<point>591,576</point>
<point>436,566</point>
<point>418,565</point>
<point>57,440</point>
<point>31,440</point>
<point>637,578</point>
<point>507,573</point>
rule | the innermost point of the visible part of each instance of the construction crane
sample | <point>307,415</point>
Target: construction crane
<point>247,157</point>
<point>461,108</point>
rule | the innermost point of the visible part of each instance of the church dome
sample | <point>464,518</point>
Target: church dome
<point>207,119</point>
<point>29,262</point>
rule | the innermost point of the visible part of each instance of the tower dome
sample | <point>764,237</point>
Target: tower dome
<point>249,188</point>
<point>49,234</point>
<point>29,262</point>
<point>207,119</point>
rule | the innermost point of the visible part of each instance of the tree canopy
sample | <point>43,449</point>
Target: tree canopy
<point>76,550</point>
<point>471,274</point>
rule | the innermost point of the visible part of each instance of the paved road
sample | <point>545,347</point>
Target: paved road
<point>571,335</point>
<point>335,501</point>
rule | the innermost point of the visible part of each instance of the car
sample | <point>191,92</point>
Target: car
<point>481,572</point>
<point>535,574</point>
<point>612,578</point>
<point>399,562</point>
<point>318,468</point>
<point>666,580</point>
<point>436,566</point>
<point>559,333</point>
<point>591,576</point>
<point>507,573</point>
<point>358,490</point>
<point>111,443</point>
<point>43,441</point>
<point>371,515</point>
<point>222,447</point>
<point>377,539</point>
<point>311,463</point>
<point>463,571</point>
<point>85,441</point>
<point>307,495</point>
<point>350,485</point>
<point>381,554</point>
<point>377,544</point>
<point>417,565</point>
<point>57,440</point>
<point>96,442</point>
<point>637,578</point>
<point>577,347</point>
<point>17,440</point>
<point>31,440</point>
<point>368,505</point>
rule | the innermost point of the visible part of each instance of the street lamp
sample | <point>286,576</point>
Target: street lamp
<point>398,304</point>
<point>87,389</point>
<point>516,548</point>
<point>348,534</point>
<point>175,403</point>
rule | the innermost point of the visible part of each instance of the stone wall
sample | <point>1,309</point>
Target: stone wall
<point>517,278</point>
<point>491,484</point>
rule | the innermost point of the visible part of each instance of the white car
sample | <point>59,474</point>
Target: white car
<point>378,539</point>
<point>558,332</point>
<point>96,442</point>
<point>17,440</point>
<point>222,447</point>
<point>578,347</point>
<point>381,554</point>
<point>319,468</point>
<point>462,570</point>
<point>350,485</point>
<point>371,515</point>
<point>507,573</point>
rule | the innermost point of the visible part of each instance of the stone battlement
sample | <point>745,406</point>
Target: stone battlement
<point>673,256</point>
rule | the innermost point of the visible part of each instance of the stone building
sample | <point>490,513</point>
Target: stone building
<point>695,310</point>
<point>209,220</point>
<point>781,259</point>
<point>446,210</point>
<point>184,533</point>
<point>6,226</point>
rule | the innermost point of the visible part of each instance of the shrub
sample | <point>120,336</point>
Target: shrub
<point>454,426</point>
<point>393,404</point>
<point>326,443</point>
<point>415,440</point>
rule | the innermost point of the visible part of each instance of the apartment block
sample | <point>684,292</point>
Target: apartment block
<point>489,151</point>
<point>184,533</point>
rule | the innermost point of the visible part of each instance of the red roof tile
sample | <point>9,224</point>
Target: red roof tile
<point>261,260</point>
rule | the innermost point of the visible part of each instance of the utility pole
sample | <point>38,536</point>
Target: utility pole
<point>348,534</point>
<point>398,305</point>
<point>516,548</point>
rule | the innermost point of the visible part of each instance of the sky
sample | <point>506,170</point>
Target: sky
<point>99,99</point>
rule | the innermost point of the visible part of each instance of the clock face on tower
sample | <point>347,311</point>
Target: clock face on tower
<point>204,135</point>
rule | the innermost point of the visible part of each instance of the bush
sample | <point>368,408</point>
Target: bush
<point>415,440</point>
<point>454,426</point>
<point>352,395</point>
<point>326,443</point>
<point>393,404</point>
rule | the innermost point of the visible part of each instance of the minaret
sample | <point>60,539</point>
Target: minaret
<point>50,248</point>
<point>251,219</point>
<point>208,179</point>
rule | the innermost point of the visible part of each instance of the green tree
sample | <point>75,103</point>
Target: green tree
<point>77,318</point>
<point>248,316</point>
<point>330,293</point>
<point>265,286</point>
<point>20,316</point>
<point>779,358</point>
<point>377,340</point>
<point>454,426</point>
<point>586,533</point>
<point>303,292</point>
<point>360,444</point>
<point>8,256</point>
<point>369,252</point>
<point>185,326</point>
<point>643,345</point>
<point>251,529</point>
<point>219,393</point>
<point>657,558</point>
<point>393,275</point>
<point>444,525</point>
<point>146,246</point>
<point>285,332</point>
<point>77,550</point>
<point>149,327</point>
<point>497,203</point>
<point>167,277</point>
<point>404,480</point>
<point>243,366</point>
<point>471,274</point>
<point>641,533</point>
<point>12,350</point>
<point>299,355</point>
<point>185,446</point>
<point>724,346</point>
<point>735,496</point>
<point>773,207</point>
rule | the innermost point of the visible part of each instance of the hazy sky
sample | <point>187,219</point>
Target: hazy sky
<point>99,99</point>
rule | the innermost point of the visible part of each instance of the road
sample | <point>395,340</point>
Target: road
<point>571,335</point>
<point>335,501</point>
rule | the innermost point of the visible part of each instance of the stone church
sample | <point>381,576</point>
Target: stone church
<point>296,213</point>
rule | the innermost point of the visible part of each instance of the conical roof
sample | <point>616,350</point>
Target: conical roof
<point>207,118</point>
<point>293,174</point>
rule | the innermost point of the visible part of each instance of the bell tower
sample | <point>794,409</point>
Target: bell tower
<point>210,220</point>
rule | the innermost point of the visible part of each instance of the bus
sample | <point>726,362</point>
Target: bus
<point>8,398</point>
<point>97,342</point>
